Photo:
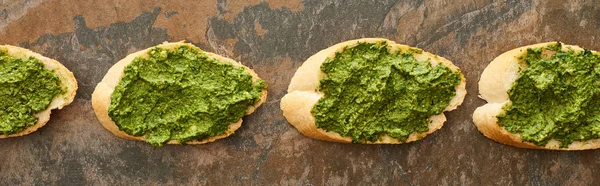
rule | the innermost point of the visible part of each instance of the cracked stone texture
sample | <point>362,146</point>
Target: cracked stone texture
<point>274,37</point>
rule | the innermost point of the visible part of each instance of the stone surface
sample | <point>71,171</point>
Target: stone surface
<point>274,37</point>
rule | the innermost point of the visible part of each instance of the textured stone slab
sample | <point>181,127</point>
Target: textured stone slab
<point>274,37</point>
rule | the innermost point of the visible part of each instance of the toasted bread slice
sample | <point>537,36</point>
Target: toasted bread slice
<point>302,95</point>
<point>101,96</point>
<point>495,81</point>
<point>67,81</point>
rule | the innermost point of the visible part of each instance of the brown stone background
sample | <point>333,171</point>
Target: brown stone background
<point>274,37</point>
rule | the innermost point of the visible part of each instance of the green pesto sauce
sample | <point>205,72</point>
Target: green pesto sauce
<point>181,95</point>
<point>370,91</point>
<point>26,88</point>
<point>556,96</point>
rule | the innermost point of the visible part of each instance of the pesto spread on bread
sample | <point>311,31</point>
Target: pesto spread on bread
<point>556,96</point>
<point>26,88</point>
<point>370,91</point>
<point>181,95</point>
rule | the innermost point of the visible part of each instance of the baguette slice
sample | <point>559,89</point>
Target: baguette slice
<point>302,95</point>
<point>497,78</point>
<point>104,89</point>
<point>67,81</point>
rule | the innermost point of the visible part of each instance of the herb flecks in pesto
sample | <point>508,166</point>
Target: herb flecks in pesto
<point>556,96</point>
<point>26,88</point>
<point>370,92</point>
<point>182,95</point>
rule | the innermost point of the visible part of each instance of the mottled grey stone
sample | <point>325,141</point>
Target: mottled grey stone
<point>74,149</point>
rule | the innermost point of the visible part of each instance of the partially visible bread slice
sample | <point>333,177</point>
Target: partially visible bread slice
<point>302,94</point>
<point>497,78</point>
<point>67,81</point>
<point>104,89</point>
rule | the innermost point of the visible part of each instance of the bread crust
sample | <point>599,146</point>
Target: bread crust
<point>497,78</point>
<point>67,81</point>
<point>104,89</point>
<point>302,95</point>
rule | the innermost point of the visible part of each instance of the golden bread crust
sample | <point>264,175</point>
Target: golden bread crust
<point>497,78</point>
<point>67,81</point>
<point>104,89</point>
<point>301,97</point>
